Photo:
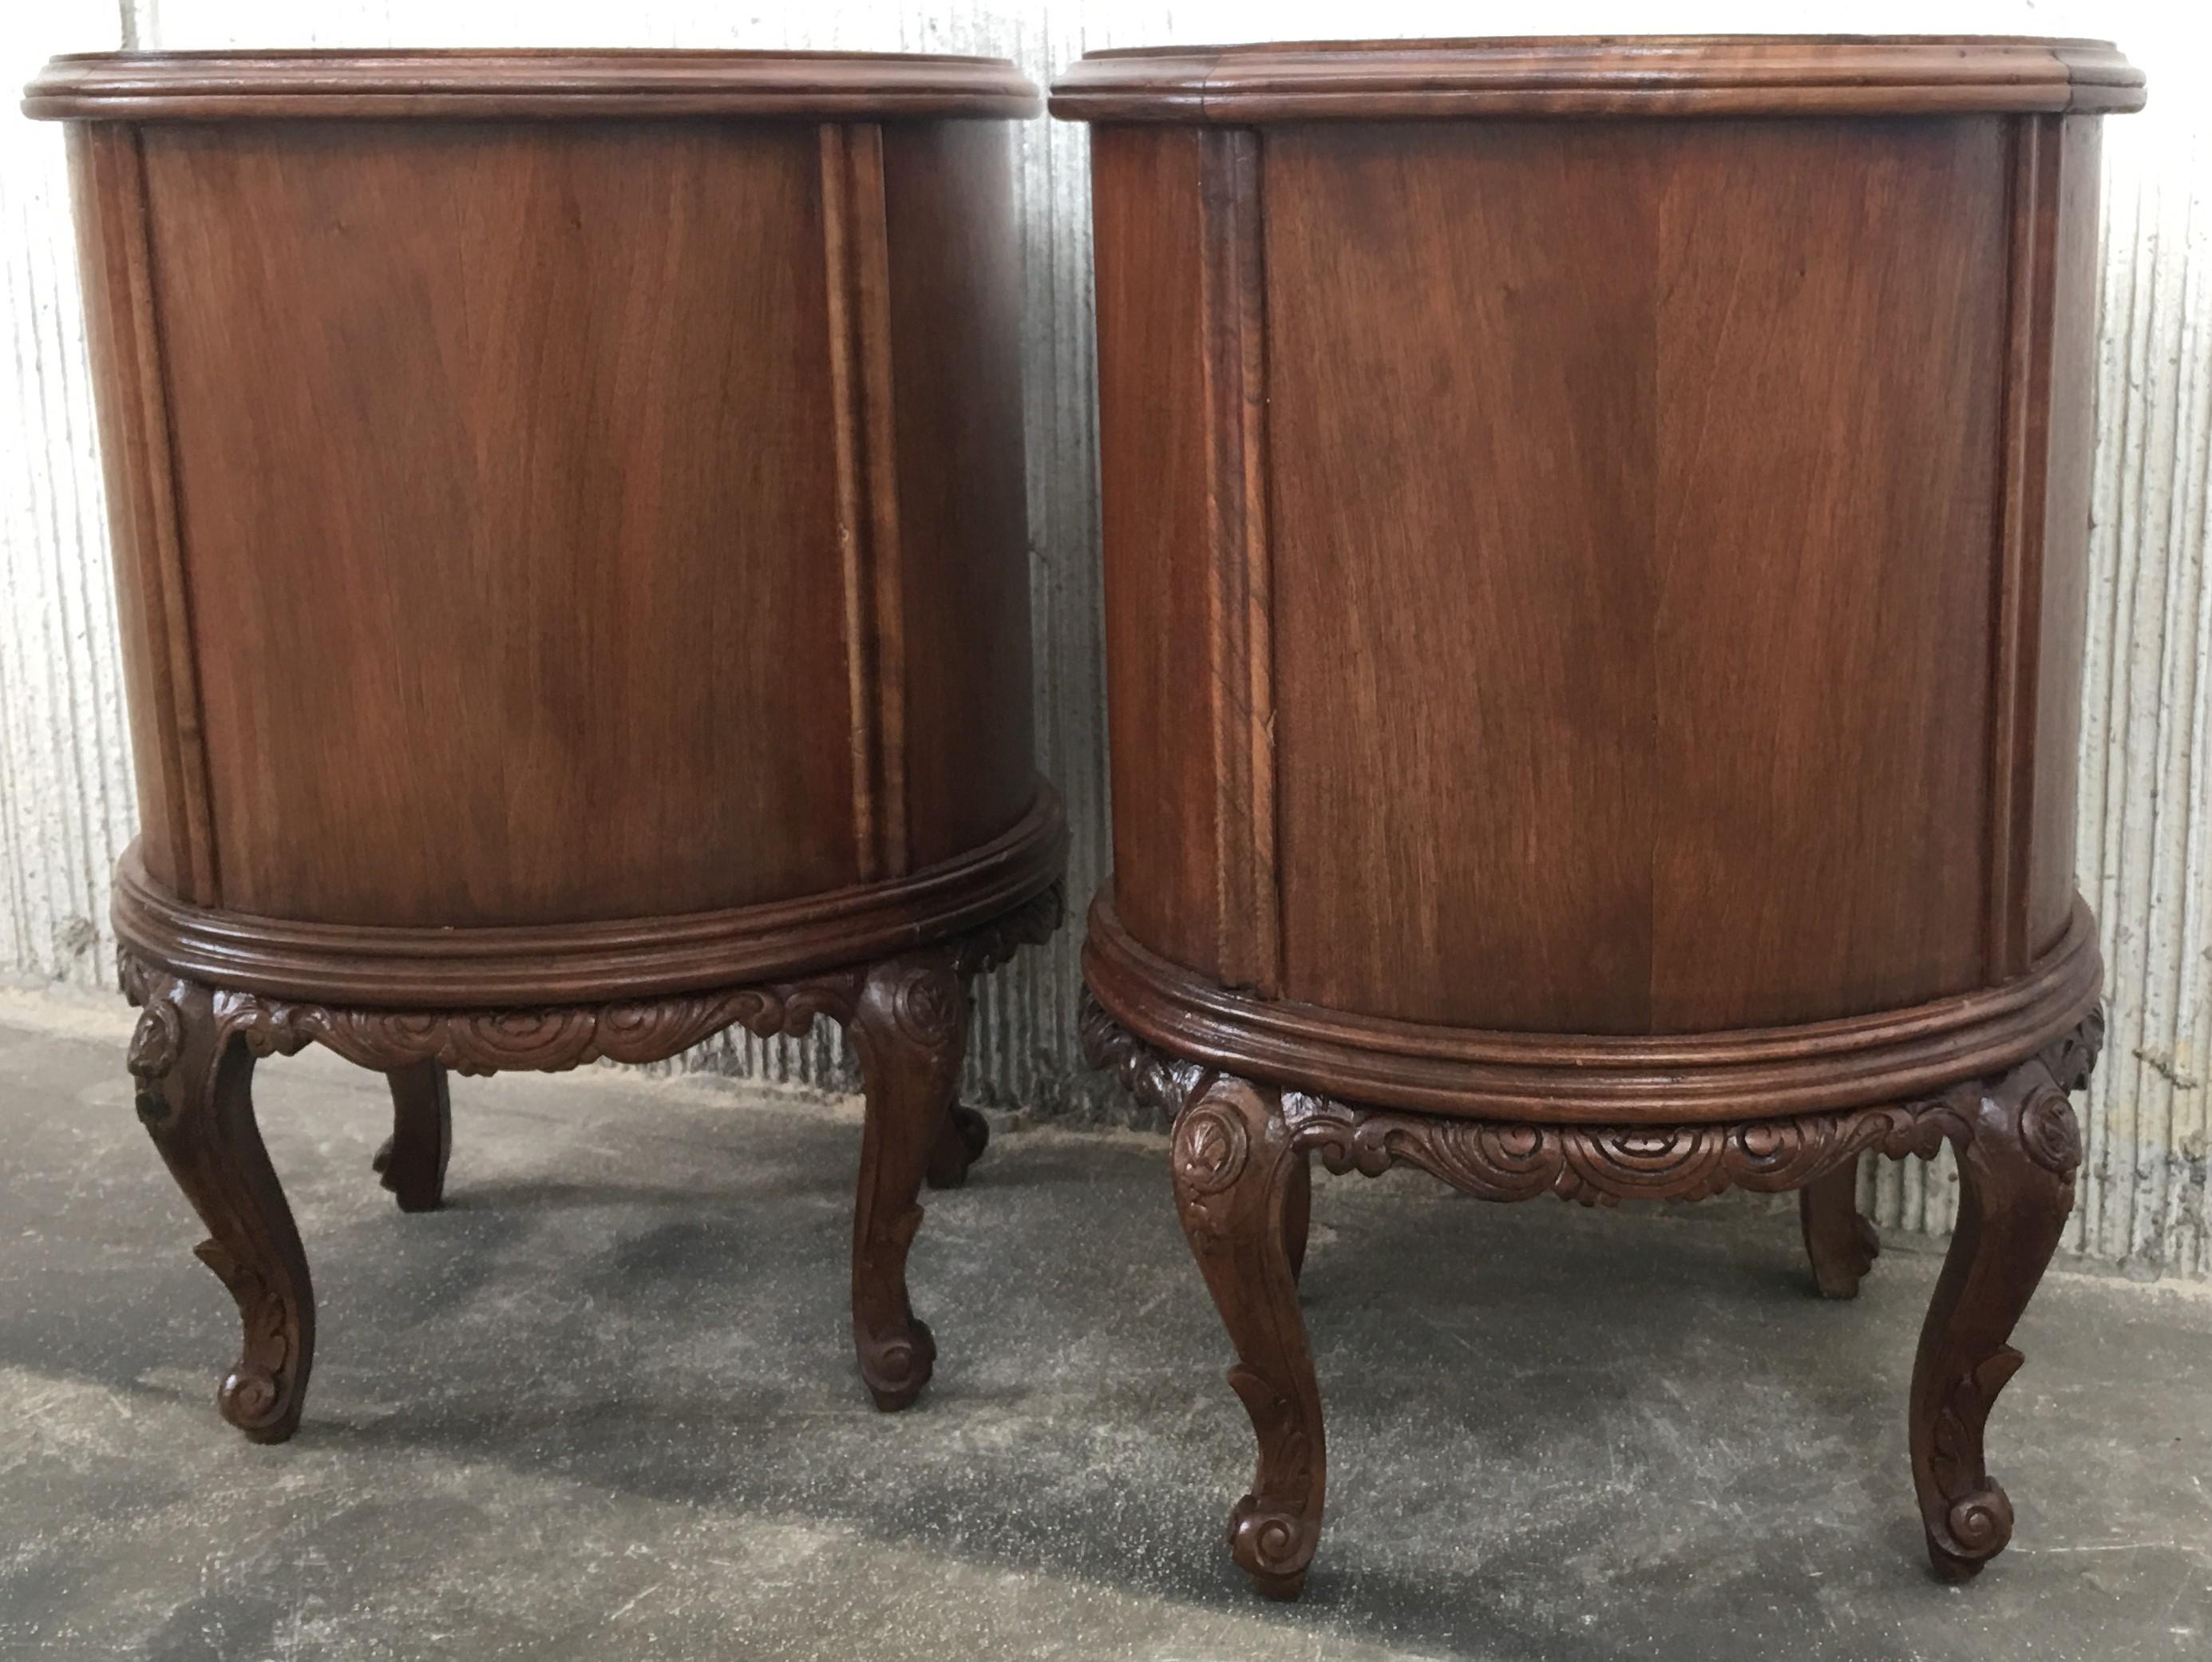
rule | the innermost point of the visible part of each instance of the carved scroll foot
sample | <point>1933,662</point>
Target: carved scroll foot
<point>909,1025</point>
<point>412,1159</point>
<point>2017,1157</point>
<point>194,1069</point>
<point>960,1144</point>
<point>1239,1188</point>
<point>1838,1239</point>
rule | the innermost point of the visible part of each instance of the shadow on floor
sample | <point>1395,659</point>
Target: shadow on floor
<point>605,1400</point>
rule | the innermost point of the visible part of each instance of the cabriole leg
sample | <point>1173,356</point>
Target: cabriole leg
<point>1838,1239</point>
<point>1298,1215</point>
<point>412,1159</point>
<point>910,1025</point>
<point>1239,1186</point>
<point>2016,1163</point>
<point>964,1135</point>
<point>195,1077</point>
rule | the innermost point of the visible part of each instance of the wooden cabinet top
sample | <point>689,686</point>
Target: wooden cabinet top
<point>1599,75</point>
<point>186,86</point>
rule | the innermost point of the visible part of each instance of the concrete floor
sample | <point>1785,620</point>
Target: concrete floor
<point>603,1405</point>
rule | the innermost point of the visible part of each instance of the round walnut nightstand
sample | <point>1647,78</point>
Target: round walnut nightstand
<point>1595,539</point>
<point>569,526</point>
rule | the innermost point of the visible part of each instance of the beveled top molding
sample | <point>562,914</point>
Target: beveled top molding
<point>1599,75</point>
<point>535,84</point>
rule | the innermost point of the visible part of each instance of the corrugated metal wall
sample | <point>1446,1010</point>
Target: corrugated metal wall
<point>66,791</point>
<point>2146,797</point>
<point>2146,773</point>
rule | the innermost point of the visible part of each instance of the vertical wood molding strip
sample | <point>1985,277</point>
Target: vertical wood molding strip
<point>864,157</point>
<point>1239,602</point>
<point>2024,440</point>
<point>856,260</point>
<point>157,619</point>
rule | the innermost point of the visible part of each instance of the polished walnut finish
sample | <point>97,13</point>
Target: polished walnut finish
<point>570,541</point>
<point>1595,538</point>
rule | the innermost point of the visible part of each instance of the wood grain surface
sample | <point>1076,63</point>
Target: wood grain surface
<point>1154,443</point>
<point>956,408</point>
<point>1634,76</point>
<point>638,505</point>
<point>475,83</point>
<point>1670,538</point>
<point>554,450</point>
<point>1463,426</point>
<point>1830,361</point>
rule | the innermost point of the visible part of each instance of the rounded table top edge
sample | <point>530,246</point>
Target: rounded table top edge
<point>524,85</point>
<point>1601,76</point>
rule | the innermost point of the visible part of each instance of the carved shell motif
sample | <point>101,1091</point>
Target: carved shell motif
<point>157,1041</point>
<point>156,1045</point>
<point>929,1006</point>
<point>2049,1133</point>
<point>1211,1145</point>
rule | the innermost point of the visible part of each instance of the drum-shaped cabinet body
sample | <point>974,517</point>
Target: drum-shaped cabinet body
<point>554,490</point>
<point>570,530</point>
<point>1595,538</point>
<point>1599,558</point>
